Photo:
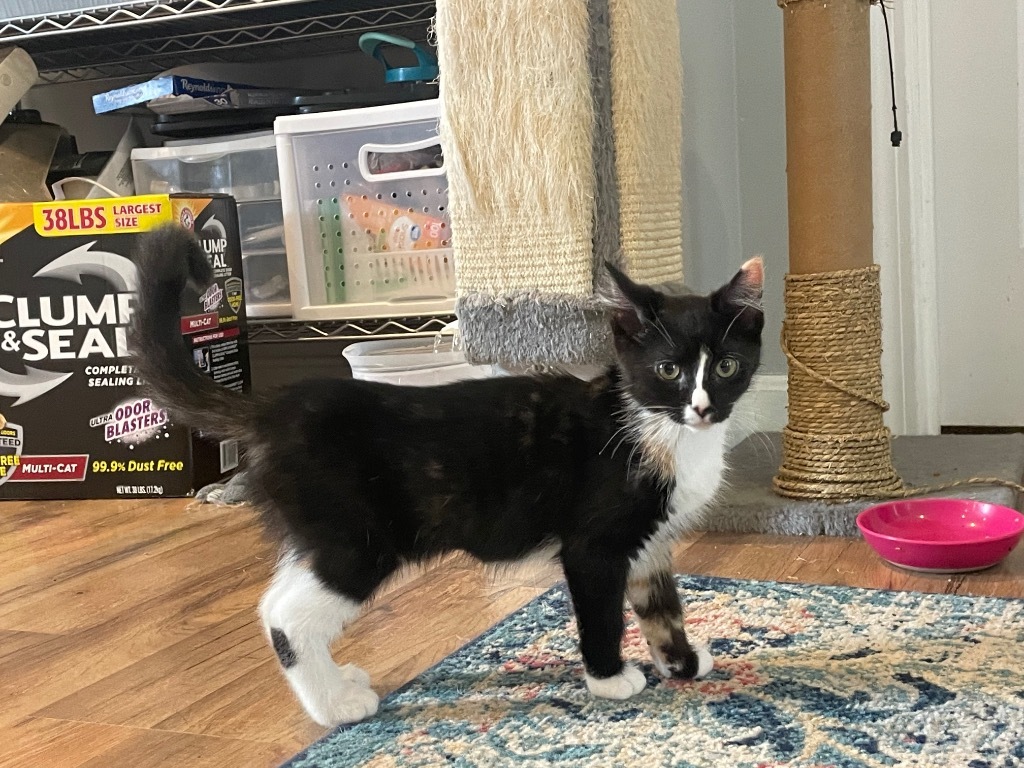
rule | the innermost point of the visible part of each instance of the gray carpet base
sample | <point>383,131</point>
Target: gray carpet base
<point>749,505</point>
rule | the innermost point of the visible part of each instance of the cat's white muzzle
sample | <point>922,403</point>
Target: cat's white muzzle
<point>694,420</point>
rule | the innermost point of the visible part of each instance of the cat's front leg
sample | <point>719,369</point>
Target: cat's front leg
<point>656,602</point>
<point>597,584</point>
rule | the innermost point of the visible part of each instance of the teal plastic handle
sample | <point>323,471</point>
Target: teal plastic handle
<point>426,69</point>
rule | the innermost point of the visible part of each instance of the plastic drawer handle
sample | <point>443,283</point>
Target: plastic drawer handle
<point>367,150</point>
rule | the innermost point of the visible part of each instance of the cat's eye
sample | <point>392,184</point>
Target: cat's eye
<point>727,367</point>
<point>668,371</point>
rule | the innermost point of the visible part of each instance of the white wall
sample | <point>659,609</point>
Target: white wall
<point>712,219</point>
<point>734,170</point>
<point>734,149</point>
<point>760,106</point>
<point>977,141</point>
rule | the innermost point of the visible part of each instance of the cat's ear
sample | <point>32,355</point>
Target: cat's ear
<point>740,298</point>
<point>633,306</point>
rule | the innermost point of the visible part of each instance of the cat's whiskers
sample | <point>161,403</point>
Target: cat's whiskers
<point>630,466</point>
<point>626,416</point>
<point>733,322</point>
<point>763,446</point>
<point>614,435</point>
<point>762,441</point>
<point>660,327</point>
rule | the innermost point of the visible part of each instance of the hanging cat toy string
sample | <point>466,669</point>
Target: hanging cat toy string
<point>896,137</point>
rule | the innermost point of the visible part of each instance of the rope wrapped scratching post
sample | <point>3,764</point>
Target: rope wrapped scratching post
<point>835,446</point>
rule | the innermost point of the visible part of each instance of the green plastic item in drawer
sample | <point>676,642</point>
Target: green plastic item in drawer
<point>329,212</point>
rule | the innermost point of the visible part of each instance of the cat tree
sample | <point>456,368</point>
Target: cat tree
<point>835,449</point>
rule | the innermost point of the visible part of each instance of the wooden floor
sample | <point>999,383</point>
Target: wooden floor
<point>128,633</point>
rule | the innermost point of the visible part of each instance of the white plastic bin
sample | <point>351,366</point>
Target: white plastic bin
<point>365,212</point>
<point>246,169</point>
<point>412,362</point>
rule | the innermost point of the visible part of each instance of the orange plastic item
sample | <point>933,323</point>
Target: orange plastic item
<point>391,228</point>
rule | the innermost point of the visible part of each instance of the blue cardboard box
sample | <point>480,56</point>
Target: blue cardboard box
<point>213,93</point>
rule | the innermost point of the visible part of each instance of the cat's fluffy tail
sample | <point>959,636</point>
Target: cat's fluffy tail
<point>168,259</point>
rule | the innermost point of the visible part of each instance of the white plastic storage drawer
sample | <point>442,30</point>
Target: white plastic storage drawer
<point>264,261</point>
<point>365,213</point>
<point>246,169</point>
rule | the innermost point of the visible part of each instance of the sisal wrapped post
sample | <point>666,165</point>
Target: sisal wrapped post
<point>516,129</point>
<point>516,125</point>
<point>561,128</point>
<point>647,88</point>
<point>835,446</point>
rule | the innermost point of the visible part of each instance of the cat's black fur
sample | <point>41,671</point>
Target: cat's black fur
<point>358,478</point>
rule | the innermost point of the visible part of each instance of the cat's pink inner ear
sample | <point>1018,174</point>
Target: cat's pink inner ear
<point>753,273</point>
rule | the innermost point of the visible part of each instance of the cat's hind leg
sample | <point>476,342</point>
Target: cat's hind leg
<point>303,611</point>
<point>653,595</point>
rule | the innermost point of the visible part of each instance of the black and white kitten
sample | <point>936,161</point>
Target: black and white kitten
<point>359,478</point>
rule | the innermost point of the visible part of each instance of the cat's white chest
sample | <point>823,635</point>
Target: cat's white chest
<point>699,458</point>
<point>698,463</point>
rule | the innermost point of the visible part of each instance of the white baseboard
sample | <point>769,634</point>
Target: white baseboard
<point>762,409</point>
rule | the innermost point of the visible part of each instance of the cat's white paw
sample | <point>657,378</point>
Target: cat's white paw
<point>354,674</point>
<point>629,682</point>
<point>349,703</point>
<point>705,662</point>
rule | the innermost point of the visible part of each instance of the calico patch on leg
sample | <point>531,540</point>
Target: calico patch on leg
<point>660,613</point>
<point>672,653</point>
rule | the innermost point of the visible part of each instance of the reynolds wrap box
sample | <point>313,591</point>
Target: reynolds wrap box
<point>172,94</point>
<point>73,424</point>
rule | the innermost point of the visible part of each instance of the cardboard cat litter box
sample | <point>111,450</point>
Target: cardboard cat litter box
<point>73,424</point>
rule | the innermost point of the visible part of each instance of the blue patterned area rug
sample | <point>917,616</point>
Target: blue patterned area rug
<point>804,676</point>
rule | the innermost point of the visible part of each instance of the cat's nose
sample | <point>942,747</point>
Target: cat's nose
<point>704,412</point>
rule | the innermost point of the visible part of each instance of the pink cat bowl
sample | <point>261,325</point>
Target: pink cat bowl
<point>941,535</point>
